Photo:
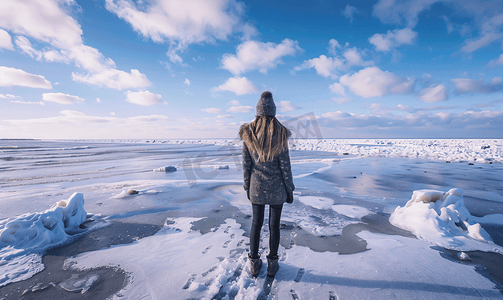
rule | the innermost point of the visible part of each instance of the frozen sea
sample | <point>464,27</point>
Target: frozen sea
<point>372,219</point>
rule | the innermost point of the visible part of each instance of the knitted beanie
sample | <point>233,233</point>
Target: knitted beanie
<point>265,105</point>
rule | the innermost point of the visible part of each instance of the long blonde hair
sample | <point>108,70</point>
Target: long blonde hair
<point>266,136</point>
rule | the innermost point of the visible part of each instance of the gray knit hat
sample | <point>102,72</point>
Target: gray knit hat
<point>265,105</point>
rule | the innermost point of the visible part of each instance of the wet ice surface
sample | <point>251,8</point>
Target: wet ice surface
<point>342,205</point>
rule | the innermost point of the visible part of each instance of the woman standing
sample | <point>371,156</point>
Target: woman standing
<point>267,178</point>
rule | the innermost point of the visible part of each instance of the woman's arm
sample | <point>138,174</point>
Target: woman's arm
<point>286,170</point>
<point>247,166</point>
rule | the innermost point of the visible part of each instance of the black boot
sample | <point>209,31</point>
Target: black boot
<point>272,266</point>
<point>255,265</point>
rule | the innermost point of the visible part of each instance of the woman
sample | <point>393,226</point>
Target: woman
<point>267,178</point>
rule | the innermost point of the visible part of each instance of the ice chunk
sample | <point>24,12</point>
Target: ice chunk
<point>82,285</point>
<point>442,219</point>
<point>166,169</point>
<point>23,238</point>
<point>351,211</point>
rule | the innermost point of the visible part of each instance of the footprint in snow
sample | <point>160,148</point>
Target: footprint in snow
<point>240,243</point>
<point>233,235</point>
<point>209,271</point>
<point>226,244</point>
<point>207,249</point>
<point>300,273</point>
<point>189,282</point>
<point>227,229</point>
<point>332,295</point>
<point>294,295</point>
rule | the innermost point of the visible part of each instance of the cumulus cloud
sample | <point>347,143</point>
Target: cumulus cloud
<point>328,66</point>
<point>393,39</point>
<point>286,106</point>
<point>323,65</point>
<point>348,12</point>
<point>237,85</point>
<point>434,93</point>
<point>466,85</point>
<point>373,82</point>
<point>496,61</point>
<point>12,76</point>
<point>61,98</point>
<point>5,40</point>
<point>401,11</point>
<point>182,22</point>
<point>253,55</point>
<point>212,110</point>
<point>234,103</point>
<point>186,81</point>
<point>50,21</point>
<point>144,98</point>
<point>240,109</point>
<point>337,88</point>
<point>115,79</point>
<point>333,45</point>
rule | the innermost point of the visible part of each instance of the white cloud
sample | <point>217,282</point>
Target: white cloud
<point>337,88</point>
<point>26,47</point>
<point>7,96</point>
<point>434,93</point>
<point>392,39</point>
<point>468,124</point>
<point>212,110</point>
<point>44,20</point>
<point>144,98</point>
<point>186,81</point>
<point>5,40</point>
<point>61,98</point>
<point>234,103</point>
<point>237,85</point>
<point>373,82</point>
<point>348,12</point>
<point>98,100</point>
<point>50,21</point>
<point>466,85</point>
<point>490,31</point>
<point>240,109</point>
<point>112,113</point>
<point>487,15</point>
<point>496,61</point>
<point>323,65</point>
<point>252,55</point>
<point>285,106</point>
<point>182,22</point>
<point>12,76</point>
<point>333,44</point>
<point>114,79</point>
<point>29,102</point>
<point>396,12</point>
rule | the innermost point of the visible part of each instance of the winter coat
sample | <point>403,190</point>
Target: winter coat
<point>267,182</point>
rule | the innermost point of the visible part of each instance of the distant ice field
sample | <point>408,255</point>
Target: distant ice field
<point>340,185</point>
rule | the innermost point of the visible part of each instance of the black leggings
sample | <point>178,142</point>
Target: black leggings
<point>258,220</point>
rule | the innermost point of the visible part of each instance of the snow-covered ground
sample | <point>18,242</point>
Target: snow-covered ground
<point>336,242</point>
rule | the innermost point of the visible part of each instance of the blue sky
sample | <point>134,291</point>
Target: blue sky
<point>163,69</point>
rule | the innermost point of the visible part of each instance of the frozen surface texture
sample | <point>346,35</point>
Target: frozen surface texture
<point>23,239</point>
<point>442,219</point>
